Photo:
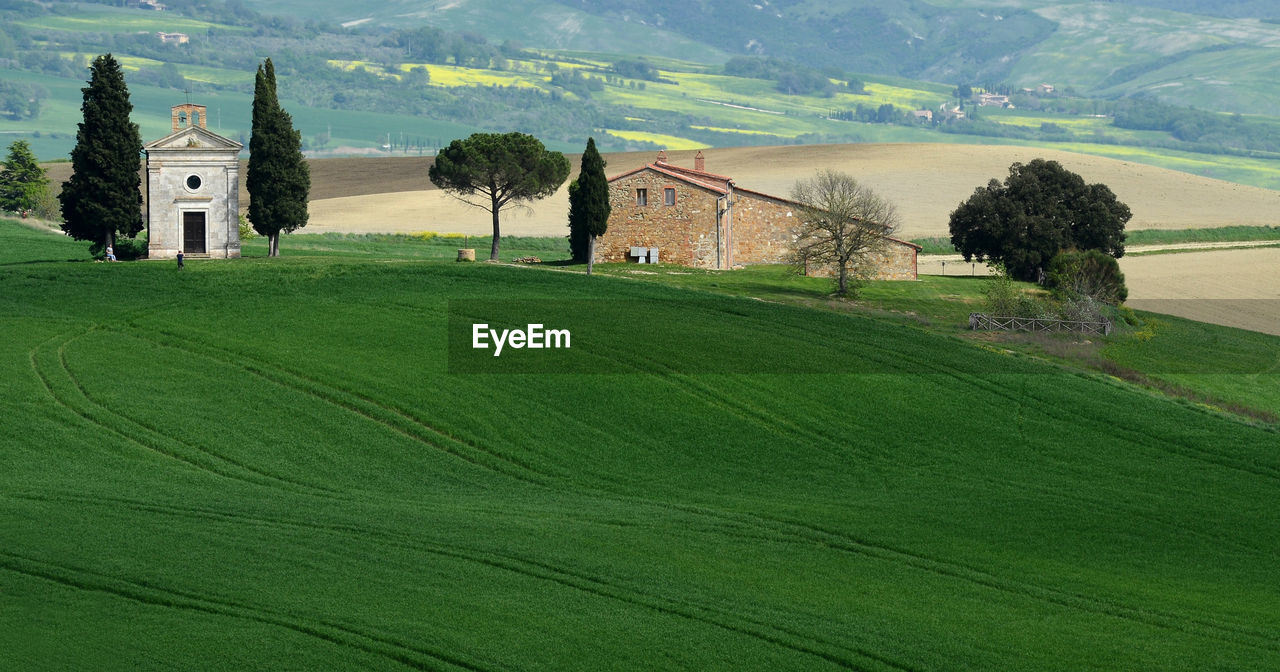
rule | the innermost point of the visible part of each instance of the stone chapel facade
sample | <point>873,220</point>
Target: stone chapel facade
<point>695,218</point>
<point>193,190</point>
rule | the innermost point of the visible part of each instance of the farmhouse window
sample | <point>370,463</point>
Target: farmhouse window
<point>669,196</point>
<point>642,197</point>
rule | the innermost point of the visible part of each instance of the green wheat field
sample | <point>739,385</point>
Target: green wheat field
<point>271,464</point>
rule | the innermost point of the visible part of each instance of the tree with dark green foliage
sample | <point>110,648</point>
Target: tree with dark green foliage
<point>1087,273</point>
<point>1039,210</point>
<point>588,206</point>
<point>103,196</point>
<point>278,179</point>
<point>579,240</point>
<point>22,180</point>
<point>501,169</point>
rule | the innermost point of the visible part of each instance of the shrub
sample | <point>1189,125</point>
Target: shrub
<point>1130,318</point>
<point>1075,275</point>
<point>1005,298</point>
<point>246,229</point>
<point>129,249</point>
<point>47,206</point>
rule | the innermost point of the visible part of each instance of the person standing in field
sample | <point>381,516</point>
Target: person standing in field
<point>179,260</point>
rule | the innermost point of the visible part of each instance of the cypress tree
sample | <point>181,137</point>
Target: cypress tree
<point>589,203</point>
<point>579,239</point>
<point>22,181</point>
<point>103,197</point>
<point>278,179</point>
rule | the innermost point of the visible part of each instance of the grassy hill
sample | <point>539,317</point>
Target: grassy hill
<point>283,463</point>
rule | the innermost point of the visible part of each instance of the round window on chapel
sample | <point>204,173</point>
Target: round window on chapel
<point>193,182</point>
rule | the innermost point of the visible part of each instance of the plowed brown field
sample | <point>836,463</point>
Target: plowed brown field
<point>926,181</point>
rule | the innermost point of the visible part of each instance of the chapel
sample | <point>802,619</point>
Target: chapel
<point>193,190</point>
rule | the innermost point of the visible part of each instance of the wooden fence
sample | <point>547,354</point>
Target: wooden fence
<point>993,323</point>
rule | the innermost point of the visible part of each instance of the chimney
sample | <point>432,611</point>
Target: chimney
<point>662,156</point>
<point>699,162</point>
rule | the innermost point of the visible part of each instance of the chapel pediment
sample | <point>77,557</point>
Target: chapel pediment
<point>194,137</point>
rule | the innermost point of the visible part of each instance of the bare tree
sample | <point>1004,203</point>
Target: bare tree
<point>843,226</point>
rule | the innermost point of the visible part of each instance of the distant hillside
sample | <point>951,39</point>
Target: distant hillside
<point>1231,9</point>
<point>911,38</point>
<point>391,86</point>
<point>1211,55</point>
<point>538,23</point>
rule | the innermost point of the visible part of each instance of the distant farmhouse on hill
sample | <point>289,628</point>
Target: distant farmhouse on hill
<point>664,212</point>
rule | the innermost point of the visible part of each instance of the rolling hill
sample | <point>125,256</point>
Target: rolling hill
<point>926,181</point>
<point>1216,56</point>
<point>264,464</point>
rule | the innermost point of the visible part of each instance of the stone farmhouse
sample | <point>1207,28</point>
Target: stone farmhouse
<point>663,212</point>
<point>193,190</point>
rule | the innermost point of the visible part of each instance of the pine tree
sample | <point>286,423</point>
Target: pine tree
<point>497,170</point>
<point>278,179</point>
<point>588,206</point>
<point>103,197</point>
<point>22,181</point>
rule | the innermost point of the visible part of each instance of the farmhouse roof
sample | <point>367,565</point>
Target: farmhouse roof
<point>717,183</point>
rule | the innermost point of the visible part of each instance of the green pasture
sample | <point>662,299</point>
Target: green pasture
<point>268,463</point>
<point>666,141</point>
<point>422,246</point>
<point>1218,234</point>
<point>197,73</point>
<point>941,305</point>
<point>1212,235</point>
<point>1094,41</point>
<point>1239,79</point>
<point>558,26</point>
<point>111,20</point>
<point>1230,366</point>
<point>52,134</point>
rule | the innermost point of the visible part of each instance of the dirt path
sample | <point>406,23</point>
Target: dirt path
<point>1236,288</point>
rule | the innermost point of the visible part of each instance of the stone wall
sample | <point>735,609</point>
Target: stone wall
<point>762,229</point>
<point>757,229</point>
<point>684,233</point>
<point>897,261</point>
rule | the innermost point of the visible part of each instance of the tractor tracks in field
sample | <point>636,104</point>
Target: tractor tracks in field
<point>842,541</point>
<point>794,531</point>
<point>368,409</point>
<point>405,423</point>
<point>66,390</point>
<point>414,656</point>
<point>753,626</point>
